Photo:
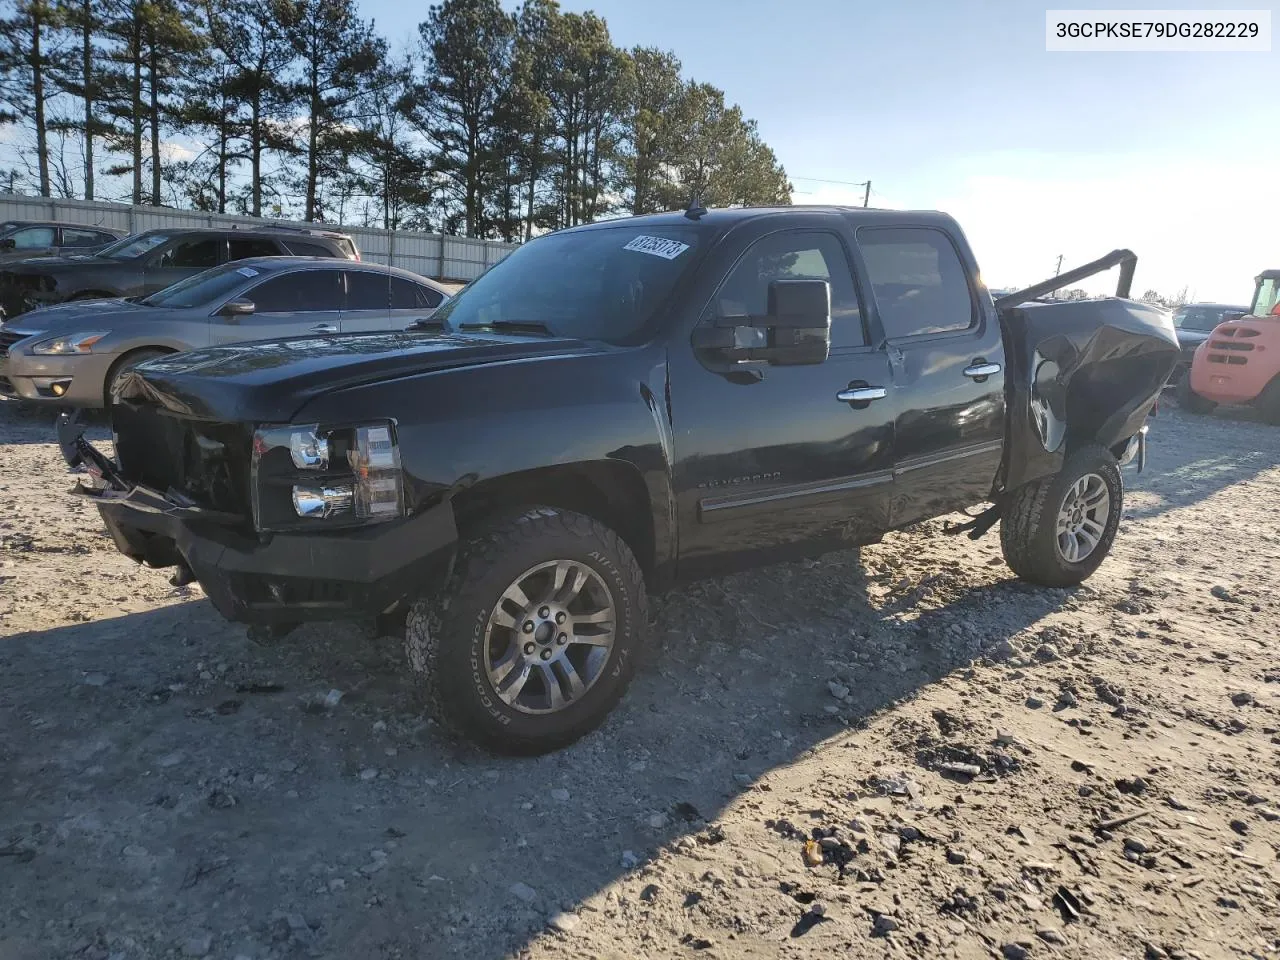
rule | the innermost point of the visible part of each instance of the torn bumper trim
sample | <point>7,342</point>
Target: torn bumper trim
<point>1136,449</point>
<point>283,578</point>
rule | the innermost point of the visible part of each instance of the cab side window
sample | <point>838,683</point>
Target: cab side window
<point>917,278</point>
<point>794,255</point>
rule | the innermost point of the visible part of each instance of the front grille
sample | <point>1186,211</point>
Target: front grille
<point>203,461</point>
<point>8,338</point>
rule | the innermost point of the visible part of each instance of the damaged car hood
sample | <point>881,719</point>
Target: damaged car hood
<point>267,381</point>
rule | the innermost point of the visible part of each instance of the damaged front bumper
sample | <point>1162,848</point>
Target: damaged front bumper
<point>270,579</point>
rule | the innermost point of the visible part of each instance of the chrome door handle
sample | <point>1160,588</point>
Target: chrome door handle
<point>325,328</point>
<point>861,394</point>
<point>980,371</point>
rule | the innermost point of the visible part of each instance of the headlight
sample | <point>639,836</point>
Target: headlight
<point>314,475</point>
<point>69,344</point>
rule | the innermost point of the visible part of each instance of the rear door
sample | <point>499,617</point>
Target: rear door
<point>180,258</point>
<point>947,355</point>
<point>368,301</point>
<point>295,304</point>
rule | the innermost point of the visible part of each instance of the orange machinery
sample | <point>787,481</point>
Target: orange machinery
<point>1239,363</point>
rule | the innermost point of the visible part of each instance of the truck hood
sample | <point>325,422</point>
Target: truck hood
<point>267,381</point>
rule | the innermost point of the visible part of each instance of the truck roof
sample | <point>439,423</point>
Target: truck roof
<point>725,217</point>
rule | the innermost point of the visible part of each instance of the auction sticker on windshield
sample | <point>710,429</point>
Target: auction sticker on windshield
<point>657,247</point>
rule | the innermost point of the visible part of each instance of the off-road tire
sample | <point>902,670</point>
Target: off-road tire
<point>127,362</point>
<point>445,634</point>
<point>1268,402</point>
<point>1028,523</point>
<point>1191,401</point>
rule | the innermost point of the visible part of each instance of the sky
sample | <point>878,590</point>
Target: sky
<point>956,105</point>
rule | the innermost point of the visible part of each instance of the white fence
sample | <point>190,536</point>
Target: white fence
<point>428,254</point>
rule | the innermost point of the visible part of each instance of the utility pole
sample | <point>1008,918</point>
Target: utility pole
<point>1058,269</point>
<point>866,197</point>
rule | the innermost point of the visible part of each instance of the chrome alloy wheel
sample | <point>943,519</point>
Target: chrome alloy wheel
<point>1083,517</point>
<point>549,636</point>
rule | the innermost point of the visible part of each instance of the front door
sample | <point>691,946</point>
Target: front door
<point>794,460</point>
<point>182,258</point>
<point>947,354</point>
<point>296,304</point>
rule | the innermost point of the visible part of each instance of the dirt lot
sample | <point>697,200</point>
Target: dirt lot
<point>169,789</point>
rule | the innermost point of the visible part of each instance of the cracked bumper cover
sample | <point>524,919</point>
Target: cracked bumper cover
<point>283,578</point>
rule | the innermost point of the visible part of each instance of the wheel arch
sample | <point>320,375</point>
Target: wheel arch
<point>118,363</point>
<point>611,491</point>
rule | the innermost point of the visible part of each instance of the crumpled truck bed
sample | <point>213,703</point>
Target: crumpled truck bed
<point>1082,371</point>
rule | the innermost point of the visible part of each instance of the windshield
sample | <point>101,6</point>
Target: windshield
<point>1202,318</point>
<point>130,248</point>
<point>1266,299</point>
<point>204,288</point>
<point>603,284</point>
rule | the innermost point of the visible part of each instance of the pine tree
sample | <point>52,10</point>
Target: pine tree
<point>339,58</point>
<point>469,44</point>
<point>28,54</point>
<point>248,37</point>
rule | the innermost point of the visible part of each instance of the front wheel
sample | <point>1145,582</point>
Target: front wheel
<point>536,637</point>
<point>1057,531</point>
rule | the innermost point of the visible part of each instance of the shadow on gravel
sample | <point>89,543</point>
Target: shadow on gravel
<point>22,422</point>
<point>1187,461</point>
<point>166,780</point>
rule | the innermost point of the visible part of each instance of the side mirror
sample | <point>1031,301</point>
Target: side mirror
<point>233,310</point>
<point>796,330</point>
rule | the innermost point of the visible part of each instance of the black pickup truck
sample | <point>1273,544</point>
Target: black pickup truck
<point>619,408</point>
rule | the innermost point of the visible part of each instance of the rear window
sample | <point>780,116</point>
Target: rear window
<point>918,280</point>
<point>367,290</point>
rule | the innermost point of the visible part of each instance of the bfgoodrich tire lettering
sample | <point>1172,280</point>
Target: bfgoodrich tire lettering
<point>1031,536</point>
<point>447,637</point>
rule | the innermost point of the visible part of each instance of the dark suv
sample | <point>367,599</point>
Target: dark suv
<point>20,239</point>
<point>146,262</point>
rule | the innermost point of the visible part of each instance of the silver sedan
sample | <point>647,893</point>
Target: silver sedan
<point>71,354</point>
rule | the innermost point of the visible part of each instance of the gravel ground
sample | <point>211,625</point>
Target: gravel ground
<point>906,754</point>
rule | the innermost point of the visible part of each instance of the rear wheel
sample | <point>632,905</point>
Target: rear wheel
<point>1191,401</point>
<point>535,639</point>
<point>1268,402</point>
<point>125,363</point>
<point>1057,531</point>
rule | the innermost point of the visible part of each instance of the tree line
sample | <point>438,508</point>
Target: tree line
<point>488,123</point>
